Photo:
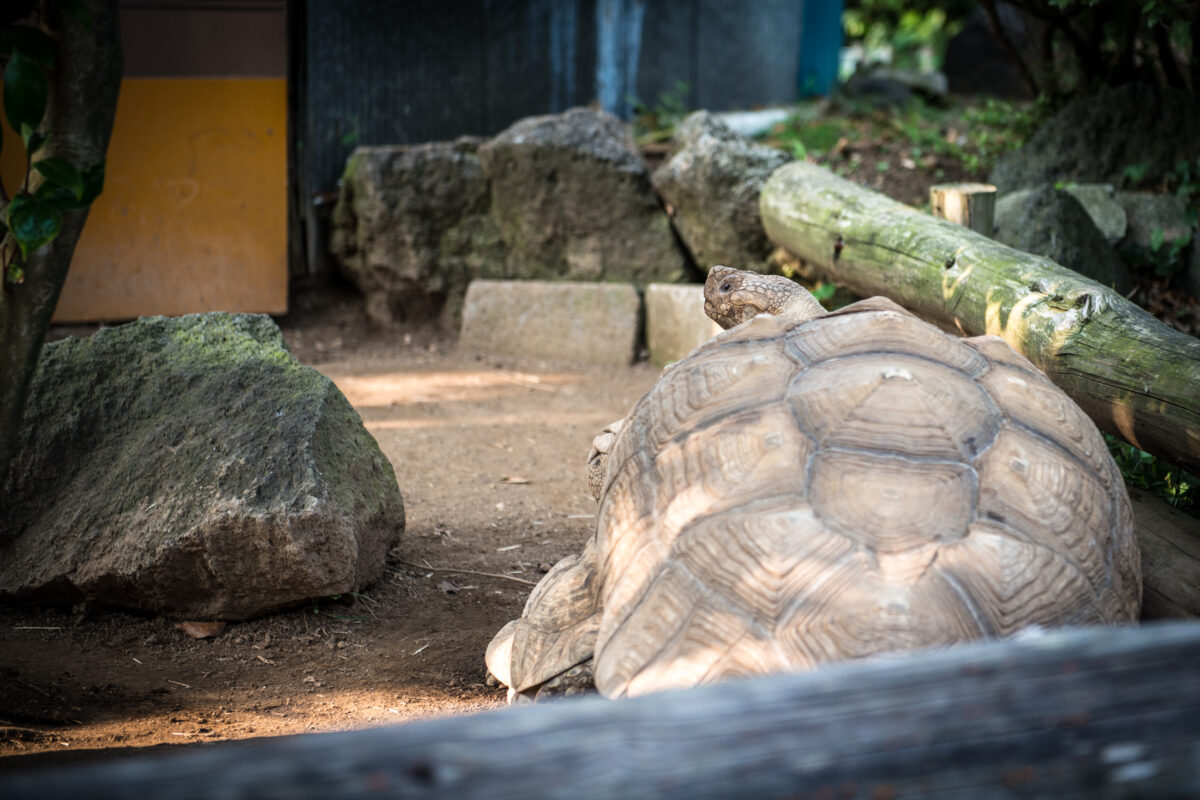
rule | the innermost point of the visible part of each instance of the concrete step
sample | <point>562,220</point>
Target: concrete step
<point>579,323</point>
<point>675,321</point>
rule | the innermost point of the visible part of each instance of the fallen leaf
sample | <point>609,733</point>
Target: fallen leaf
<point>514,480</point>
<point>448,587</point>
<point>201,630</point>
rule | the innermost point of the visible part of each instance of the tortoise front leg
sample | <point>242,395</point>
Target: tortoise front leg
<point>597,461</point>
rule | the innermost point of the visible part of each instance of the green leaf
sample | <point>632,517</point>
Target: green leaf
<point>61,173</point>
<point>35,142</point>
<point>33,223</point>
<point>25,93</point>
<point>30,42</point>
<point>1156,239</point>
<point>93,183</point>
<point>81,13</point>
<point>57,196</point>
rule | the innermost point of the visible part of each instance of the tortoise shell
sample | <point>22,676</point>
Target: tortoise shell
<point>792,494</point>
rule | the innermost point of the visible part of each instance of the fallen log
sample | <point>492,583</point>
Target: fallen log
<point>1090,713</point>
<point>1169,542</point>
<point>1135,376</point>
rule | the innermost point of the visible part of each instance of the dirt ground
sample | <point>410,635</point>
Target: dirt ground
<point>489,456</point>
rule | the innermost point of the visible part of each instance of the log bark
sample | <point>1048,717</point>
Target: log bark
<point>972,205</point>
<point>1169,541</point>
<point>1090,713</point>
<point>1135,376</point>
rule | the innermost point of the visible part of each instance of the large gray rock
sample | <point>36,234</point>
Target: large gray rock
<point>192,467</point>
<point>711,186</point>
<point>1100,203</point>
<point>411,228</point>
<point>1161,238</point>
<point>1148,213</point>
<point>1050,222</point>
<point>572,199</point>
<point>1094,139</point>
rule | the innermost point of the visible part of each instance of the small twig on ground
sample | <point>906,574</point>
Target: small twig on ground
<point>468,572</point>
<point>37,627</point>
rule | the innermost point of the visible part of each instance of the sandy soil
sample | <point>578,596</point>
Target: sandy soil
<point>489,456</point>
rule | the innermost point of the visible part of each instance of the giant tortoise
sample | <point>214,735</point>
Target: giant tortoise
<point>808,487</point>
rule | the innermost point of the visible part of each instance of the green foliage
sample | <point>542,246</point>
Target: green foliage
<point>1165,258</point>
<point>33,216</point>
<point>1185,181</point>
<point>1143,471</point>
<point>1089,44</point>
<point>975,135</point>
<point>915,33</point>
<point>658,123</point>
<point>1135,173</point>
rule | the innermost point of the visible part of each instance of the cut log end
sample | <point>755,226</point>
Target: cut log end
<point>972,205</point>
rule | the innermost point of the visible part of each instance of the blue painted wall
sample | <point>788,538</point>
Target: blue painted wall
<point>820,47</point>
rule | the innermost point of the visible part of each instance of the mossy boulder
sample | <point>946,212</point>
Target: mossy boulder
<point>412,227</point>
<point>1100,138</point>
<point>192,467</point>
<point>1050,222</point>
<point>712,184</point>
<point>572,199</point>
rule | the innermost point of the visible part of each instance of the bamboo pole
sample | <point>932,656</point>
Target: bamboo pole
<point>1135,376</point>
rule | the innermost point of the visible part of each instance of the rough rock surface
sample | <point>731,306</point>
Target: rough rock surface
<point>1148,213</point>
<point>1099,201</point>
<point>572,199</point>
<point>192,467</point>
<point>1050,222</point>
<point>711,185</point>
<point>411,228</point>
<point>1094,139</point>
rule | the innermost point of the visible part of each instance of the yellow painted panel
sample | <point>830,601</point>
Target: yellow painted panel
<point>194,211</point>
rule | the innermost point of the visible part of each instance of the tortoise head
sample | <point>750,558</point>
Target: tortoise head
<point>732,296</point>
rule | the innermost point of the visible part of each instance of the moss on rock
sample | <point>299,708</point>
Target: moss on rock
<point>192,466</point>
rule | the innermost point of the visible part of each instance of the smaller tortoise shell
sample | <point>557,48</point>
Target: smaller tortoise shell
<point>793,494</point>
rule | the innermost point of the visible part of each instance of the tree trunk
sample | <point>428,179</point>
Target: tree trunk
<point>1091,713</point>
<point>1135,376</point>
<point>79,117</point>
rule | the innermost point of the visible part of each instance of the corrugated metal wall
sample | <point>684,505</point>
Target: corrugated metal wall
<point>389,72</point>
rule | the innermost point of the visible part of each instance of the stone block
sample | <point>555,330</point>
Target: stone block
<point>675,321</point>
<point>575,322</point>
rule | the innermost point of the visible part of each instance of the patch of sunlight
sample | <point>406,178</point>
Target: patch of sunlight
<point>403,388</point>
<point>537,416</point>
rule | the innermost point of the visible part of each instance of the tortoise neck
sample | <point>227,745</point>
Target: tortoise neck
<point>799,306</point>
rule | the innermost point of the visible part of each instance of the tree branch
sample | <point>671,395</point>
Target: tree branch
<point>989,9</point>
